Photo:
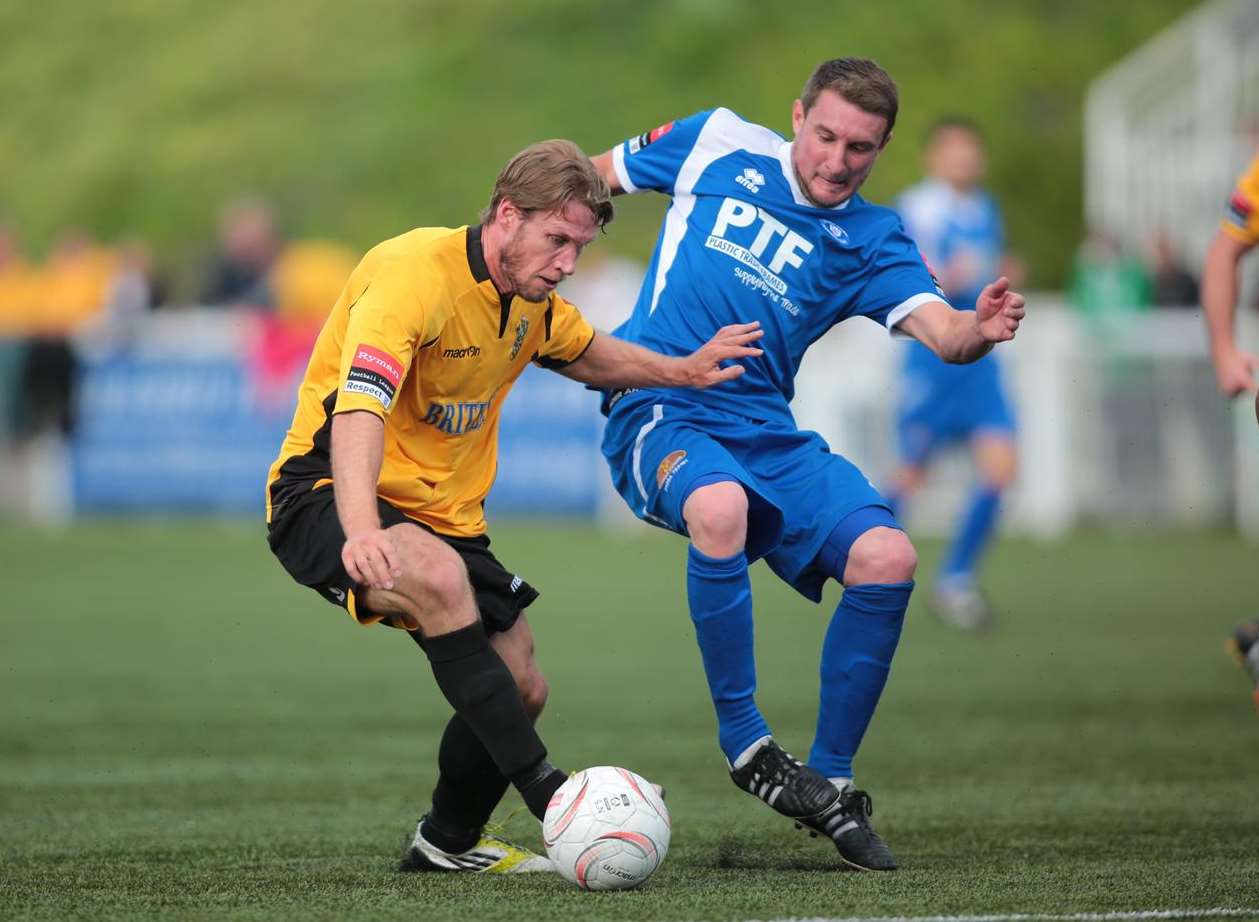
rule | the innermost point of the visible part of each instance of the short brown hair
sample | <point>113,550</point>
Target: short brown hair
<point>547,176</point>
<point>858,80</point>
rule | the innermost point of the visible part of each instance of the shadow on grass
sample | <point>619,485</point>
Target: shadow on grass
<point>751,854</point>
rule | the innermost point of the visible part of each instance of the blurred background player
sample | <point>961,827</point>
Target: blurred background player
<point>1234,367</point>
<point>957,226</point>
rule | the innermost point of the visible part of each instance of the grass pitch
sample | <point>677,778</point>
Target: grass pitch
<point>187,734</point>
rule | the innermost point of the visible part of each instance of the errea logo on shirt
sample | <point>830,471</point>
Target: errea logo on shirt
<point>751,179</point>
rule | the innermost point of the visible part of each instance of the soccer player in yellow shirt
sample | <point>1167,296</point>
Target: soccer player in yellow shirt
<point>1238,233</point>
<point>377,498</point>
<point>1234,367</point>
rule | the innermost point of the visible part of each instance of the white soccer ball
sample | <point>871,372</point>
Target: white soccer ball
<point>606,828</point>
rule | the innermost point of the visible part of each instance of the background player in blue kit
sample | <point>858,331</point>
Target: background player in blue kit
<point>957,226</point>
<point>766,229</point>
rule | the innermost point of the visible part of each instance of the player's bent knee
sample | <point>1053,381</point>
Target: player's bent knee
<point>717,517</point>
<point>432,571</point>
<point>881,555</point>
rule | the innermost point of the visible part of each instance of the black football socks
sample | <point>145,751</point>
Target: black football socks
<point>469,787</point>
<point>480,688</point>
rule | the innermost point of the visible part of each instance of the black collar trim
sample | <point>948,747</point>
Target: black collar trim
<point>476,255</point>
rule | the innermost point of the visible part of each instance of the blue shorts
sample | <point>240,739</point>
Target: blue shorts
<point>660,448</point>
<point>943,403</point>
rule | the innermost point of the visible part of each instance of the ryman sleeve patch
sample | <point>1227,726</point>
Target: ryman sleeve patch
<point>374,373</point>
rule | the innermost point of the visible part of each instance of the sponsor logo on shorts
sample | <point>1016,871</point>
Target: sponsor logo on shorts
<point>374,373</point>
<point>516,583</point>
<point>466,352</point>
<point>668,467</point>
<point>338,594</point>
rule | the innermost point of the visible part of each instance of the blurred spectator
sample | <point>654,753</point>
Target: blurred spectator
<point>307,280</point>
<point>1171,282</point>
<point>247,247</point>
<point>128,300</point>
<point>17,296</point>
<point>1106,283</point>
<point>305,283</point>
<point>69,292</point>
<point>17,287</point>
<point>73,285</point>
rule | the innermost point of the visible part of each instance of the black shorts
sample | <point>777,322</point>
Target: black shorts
<point>308,539</point>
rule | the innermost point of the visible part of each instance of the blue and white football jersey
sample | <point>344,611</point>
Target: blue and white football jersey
<point>740,242</point>
<point>961,230</point>
<point>961,237</point>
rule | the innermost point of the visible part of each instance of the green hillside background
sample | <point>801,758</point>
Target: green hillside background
<point>139,117</point>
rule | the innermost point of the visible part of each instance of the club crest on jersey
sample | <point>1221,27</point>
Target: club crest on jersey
<point>751,179</point>
<point>669,466</point>
<point>836,231</point>
<point>374,373</point>
<point>638,143</point>
<point>521,329</point>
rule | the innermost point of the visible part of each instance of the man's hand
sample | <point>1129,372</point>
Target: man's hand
<point>1234,371</point>
<point>703,368</point>
<point>999,311</point>
<point>371,559</point>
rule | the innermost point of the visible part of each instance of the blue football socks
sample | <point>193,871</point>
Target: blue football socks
<point>720,596</point>
<point>974,531</point>
<point>856,658</point>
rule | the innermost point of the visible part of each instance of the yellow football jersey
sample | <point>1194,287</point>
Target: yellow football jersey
<point>421,337</point>
<point>1241,218</point>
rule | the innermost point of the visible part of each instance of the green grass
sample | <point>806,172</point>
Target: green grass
<point>187,734</point>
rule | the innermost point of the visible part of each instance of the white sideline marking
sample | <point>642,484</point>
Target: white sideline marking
<point>1217,913</point>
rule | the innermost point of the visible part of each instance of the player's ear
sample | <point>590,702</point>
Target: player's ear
<point>797,116</point>
<point>507,213</point>
<point>886,139</point>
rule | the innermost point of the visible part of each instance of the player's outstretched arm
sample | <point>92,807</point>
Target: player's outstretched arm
<point>603,163</point>
<point>964,336</point>
<point>612,362</point>
<point>1234,369</point>
<point>358,445</point>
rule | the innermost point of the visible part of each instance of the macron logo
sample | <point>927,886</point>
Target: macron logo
<point>752,180</point>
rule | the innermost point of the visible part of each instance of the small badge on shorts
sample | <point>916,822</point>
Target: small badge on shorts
<point>668,467</point>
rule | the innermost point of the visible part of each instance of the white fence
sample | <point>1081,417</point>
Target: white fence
<point>1119,426</point>
<point>1169,128</point>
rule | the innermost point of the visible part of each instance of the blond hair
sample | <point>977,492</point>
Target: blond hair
<point>547,176</point>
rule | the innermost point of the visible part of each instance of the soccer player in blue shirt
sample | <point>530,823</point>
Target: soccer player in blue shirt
<point>957,226</point>
<point>767,229</point>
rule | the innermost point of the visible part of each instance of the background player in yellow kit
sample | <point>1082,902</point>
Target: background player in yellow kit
<point>376,500</point>
<point>1234,367</point>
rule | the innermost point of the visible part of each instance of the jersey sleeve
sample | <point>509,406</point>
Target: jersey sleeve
<point>653,159</point>
<point>566,335</point>
<point>1241,216</point>
<point>385,329</point>
<point>900,282</point>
